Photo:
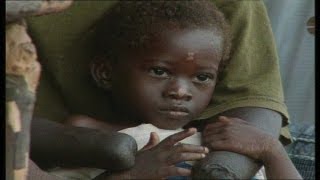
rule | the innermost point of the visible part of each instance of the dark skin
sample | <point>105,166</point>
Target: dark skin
<point>182,96</point>
<point>156,160</point>
<point>225,134</point>
<point>268,120</point>
<point>167,85</point>
<point>171,81</point>
<point>272,124</point>
<point>159,76</point>
<point>237,135</point>
<point>229,134</point>
<point>74,143</point>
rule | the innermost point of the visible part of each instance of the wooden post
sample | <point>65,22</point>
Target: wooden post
<point>22,76</point>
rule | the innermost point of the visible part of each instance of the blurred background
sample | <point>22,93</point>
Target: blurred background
<point>293,25</point>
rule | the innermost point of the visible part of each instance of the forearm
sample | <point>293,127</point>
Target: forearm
<point>222,164</point>
<point>278,164</point>
<point>54,144</point>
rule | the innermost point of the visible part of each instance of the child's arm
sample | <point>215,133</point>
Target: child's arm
<point>236,135</point>
<point>157,161</point>
<point>224,164</point>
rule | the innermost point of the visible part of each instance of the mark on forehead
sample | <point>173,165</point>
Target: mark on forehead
<point>190,56</point>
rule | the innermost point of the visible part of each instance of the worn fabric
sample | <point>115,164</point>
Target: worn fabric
<point>252,77</point>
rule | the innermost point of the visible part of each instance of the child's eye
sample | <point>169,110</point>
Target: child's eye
<point>159,72</point>
<point>204,78</point>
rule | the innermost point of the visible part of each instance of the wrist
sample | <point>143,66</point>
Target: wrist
<point>273,151</point>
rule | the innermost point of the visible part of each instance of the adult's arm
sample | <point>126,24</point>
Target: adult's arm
<point>54,144</point>
<point>229,165</point>
<point>251,79</point>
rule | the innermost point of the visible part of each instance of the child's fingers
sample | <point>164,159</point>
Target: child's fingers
<point>174,171</point>
<point>213,131</point>
<point>224,118</point>
<point>216,124</point>
<point>209,140</point>
<point>154,138</point>
<point>222,122</point>
<point>190,148</point>
<point>173,139</point>
<point>187,156</point>
<point>220,145</point>
<point>153,141</point>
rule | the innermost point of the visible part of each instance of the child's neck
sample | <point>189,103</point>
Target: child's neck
<point>121,121</point>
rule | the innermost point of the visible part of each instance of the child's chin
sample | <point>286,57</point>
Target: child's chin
<point>170,125</point>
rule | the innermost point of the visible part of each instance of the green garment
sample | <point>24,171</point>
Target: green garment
<point>252,77</point>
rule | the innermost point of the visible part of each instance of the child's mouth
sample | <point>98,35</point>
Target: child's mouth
<point>175,112</point>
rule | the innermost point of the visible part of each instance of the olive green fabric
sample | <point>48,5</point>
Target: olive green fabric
<point>252,77</point>
<point>63,43</point>
<point>49,100</point>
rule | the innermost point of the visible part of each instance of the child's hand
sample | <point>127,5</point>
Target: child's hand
<point>156,161</point>
<point>153,141</point>
<point>236,135</point>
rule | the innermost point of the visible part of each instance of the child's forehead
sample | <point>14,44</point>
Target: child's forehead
<point>190,40</point>
<point>188,43</point>
<point>198,38</point>
<point>199,46</point>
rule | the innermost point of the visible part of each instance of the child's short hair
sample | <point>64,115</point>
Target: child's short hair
<point>132,24</point>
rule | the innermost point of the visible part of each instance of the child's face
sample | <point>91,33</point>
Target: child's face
<point>170,82</point>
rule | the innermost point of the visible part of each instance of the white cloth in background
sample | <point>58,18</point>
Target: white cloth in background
<point>142,132</point>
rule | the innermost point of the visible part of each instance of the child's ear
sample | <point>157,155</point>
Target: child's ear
<point>101,72</point>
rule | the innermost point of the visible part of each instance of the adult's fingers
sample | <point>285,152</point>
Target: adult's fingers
<point>173,139</point>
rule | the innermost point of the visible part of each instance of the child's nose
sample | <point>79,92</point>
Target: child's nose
<point>179,90</point>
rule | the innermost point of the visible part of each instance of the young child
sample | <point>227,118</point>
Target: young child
<point>159,63</point>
